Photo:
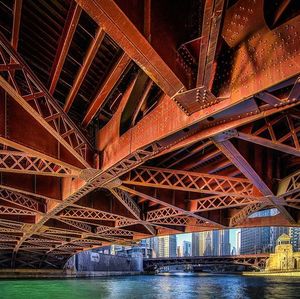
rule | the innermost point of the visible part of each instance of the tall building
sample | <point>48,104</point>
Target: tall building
<point>187,248</point>
<point>295,238</point>
<point>199,243</point>
<point>233,251</point>
<point>152,243</point>
<point>208,247</point>
<point>179,251</point>
<point>215,242</point>
<point>211,243</point>
<point>224,245</point>
<point>195,244</point>
<point>238,242</point>
<point>167,246</point>
<point>256,240</point>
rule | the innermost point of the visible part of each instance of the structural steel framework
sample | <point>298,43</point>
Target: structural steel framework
<point>118,122</point>
<point>257,261</point>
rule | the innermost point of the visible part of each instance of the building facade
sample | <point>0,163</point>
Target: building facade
<point>284,258</point>
<point>256,240</point>
<point>294,233</point>
<point>187,248</point>
<point>167,246</point>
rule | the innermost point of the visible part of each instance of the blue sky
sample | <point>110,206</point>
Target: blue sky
<point>188,237</point>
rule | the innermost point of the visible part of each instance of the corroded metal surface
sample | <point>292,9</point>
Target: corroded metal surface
<point>169,157</point>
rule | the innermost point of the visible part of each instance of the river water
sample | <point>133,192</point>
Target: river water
<point>158,286</point>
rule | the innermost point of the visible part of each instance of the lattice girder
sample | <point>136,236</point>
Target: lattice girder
<point>20,200</point>
<point>22,84</point>
<point>20,162</point>
<point>162,213</point>
<point>281,133</point>
<point>90,214</point>
<point>244,213</point>
<point>190,181</point>
<point>217,202</point>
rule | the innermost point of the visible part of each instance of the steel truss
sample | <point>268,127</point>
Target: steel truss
<point>189,181</point>
<point>21,200</point>
<point>267,135</point>
<point>217,202</point>
<point>24,87</point>
<point>20,162</point>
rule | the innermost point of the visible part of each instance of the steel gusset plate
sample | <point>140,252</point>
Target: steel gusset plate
<point>195,99</point>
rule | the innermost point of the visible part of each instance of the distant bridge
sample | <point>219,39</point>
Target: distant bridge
<point>257,261</point>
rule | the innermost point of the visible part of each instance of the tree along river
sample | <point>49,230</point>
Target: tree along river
<point>156,286</point>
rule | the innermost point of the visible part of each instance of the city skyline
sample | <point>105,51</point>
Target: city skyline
<point>188,237</point>
<point>223,242</point>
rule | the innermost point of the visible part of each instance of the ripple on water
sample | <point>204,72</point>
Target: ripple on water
<point>159,286</point>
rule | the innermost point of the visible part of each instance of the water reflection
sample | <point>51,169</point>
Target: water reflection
<point>160,286</point>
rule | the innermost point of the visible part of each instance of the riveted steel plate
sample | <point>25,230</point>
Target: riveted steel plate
<point>243,19</point>
<point>266,59</point>
<point>195,99</point>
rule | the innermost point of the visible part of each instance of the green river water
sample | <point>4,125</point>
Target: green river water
<point>156,286</point>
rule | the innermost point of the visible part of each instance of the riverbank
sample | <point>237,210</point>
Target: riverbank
<point>45,273</point>
<point>289,273</point>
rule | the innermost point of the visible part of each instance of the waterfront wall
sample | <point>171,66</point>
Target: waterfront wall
<point>88,261</point>
<point>83,264</point>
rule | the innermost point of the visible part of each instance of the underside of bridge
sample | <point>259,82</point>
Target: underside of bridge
<point>126,119</point>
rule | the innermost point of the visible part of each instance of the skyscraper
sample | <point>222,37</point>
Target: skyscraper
<point>195,244</point>
<point>167,246</point>
<point>187,250</point>
<point>215,242</point>
<point>256,240</point>
<point>295,238</point>
<point>238,242</point>
<point>224,245</point>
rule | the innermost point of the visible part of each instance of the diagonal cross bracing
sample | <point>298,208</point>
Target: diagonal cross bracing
<point>20,162</point>
<point>189,181</point>
<point>36,100</point>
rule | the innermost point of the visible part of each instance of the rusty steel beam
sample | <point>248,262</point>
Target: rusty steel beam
<point>244,213</point>
<point>162,213</point>
<point>21,200</point>
<point>125,199</point>
<point>38,153</point>
<point>213,12</point>
<point>77,213</point>
<point>106,88</point>
<point>168,205</point>
<point>190,181</point>
<point>242,164</point>
<point>16,23</point>
<point>64,45</point>
<point>87,62</point>
<point>265,135</point>
<point>217,202</point>
<point>173,122</point>
<point>20,162</point>
<point>289,185</point>
<point>44,109</point>
<point>107,14</point>
<point>95,180</point>
<point>269,98</point>
<point>5,210</point>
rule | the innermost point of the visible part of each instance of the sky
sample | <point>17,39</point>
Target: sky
<point>188,237</point>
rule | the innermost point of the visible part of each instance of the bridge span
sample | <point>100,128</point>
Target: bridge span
<point>119,122</point>
<point>256,261</point>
